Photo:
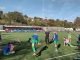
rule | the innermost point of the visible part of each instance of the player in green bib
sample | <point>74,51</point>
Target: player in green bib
<point>34,42</point>
<point>69,37</point>
<point>55,39</point>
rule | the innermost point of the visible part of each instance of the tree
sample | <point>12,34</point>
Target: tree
<point>77,22</point>
<point>15,17</point>
<point>1,14</point>
<point>51,22</point>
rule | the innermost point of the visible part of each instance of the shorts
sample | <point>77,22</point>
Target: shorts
<point>55,41</point>
<point>46,38</point>
<point>34,41</point>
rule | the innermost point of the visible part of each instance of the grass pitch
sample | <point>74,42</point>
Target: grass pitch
<point>24,51</point>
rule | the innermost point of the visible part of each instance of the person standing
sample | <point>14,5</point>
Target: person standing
<point>78,41</point>
<point>69,37</point>
<point>47,36</point>
<point>34,42</point>
<point>55,39</point>
<point>0,37</point>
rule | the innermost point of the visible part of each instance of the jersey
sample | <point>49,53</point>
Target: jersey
<point>55,37</point>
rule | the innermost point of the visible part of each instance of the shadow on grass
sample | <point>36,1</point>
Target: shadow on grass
<point>77,57</point>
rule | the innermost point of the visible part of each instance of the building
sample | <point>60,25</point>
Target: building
<point>11,28</point>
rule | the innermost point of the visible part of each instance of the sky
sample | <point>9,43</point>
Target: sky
<point>53,9</point>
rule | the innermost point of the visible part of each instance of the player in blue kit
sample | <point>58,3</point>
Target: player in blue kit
<point>34,41</point>
<point>55,39</point>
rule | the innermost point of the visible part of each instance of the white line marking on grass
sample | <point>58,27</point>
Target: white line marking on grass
<point>62,56</point>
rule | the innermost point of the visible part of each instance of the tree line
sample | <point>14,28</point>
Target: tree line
<point>17,18</point>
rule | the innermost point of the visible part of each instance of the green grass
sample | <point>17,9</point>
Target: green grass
<point>24,51</point>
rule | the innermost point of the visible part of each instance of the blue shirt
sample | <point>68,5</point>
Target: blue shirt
<point>55,37</point>
<point>47,34</point>
<point>35,37</point>
<point>6,49</point>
